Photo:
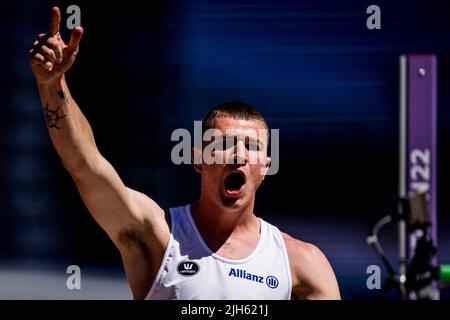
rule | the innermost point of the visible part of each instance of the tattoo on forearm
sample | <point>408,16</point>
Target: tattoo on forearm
<point>52,116</point>
<point>62,95</point>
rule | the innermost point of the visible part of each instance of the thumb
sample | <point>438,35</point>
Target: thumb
<point>71,50</point>
<point>75,39</point>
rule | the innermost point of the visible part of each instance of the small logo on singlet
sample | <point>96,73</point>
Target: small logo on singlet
<point>188,268</point>
<point>272,282</point>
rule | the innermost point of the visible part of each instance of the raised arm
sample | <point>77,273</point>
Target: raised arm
<point>134,222</point>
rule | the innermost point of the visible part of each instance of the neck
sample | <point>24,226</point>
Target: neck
<point>221,222</point>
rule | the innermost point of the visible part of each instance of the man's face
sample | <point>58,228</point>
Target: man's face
<point>242,153</point>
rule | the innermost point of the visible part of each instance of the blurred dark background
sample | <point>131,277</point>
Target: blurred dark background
<point>146,68</point>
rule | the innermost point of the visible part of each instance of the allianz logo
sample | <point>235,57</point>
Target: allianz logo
<point>271,281</point>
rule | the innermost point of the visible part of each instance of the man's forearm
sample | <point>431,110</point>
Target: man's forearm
<point>69,130</point>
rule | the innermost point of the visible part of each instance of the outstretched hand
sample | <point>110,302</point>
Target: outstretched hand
<point>50,57</point>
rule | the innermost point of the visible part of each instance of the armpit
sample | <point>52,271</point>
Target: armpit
<point>130,238</point>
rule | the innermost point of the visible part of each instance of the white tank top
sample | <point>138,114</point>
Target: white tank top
<point>191,271</point>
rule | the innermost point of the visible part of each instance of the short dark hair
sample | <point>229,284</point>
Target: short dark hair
<point>235,110</point>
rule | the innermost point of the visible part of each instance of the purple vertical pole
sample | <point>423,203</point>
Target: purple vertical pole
<point>418,145</point>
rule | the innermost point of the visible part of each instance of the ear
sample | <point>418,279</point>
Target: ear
<point>197,159</point>
<point>264,170</point>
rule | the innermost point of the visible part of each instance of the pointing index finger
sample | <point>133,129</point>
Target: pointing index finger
<point>55,21</point>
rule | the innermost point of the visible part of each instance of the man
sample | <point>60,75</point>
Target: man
<point>214,249</point>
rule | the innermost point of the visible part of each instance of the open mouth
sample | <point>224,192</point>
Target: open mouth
<point>234,183</point>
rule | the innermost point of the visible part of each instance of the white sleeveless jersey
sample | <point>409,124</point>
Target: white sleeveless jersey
<point>190,270</point>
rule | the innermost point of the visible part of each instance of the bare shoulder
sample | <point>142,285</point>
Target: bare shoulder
<point>303,253</point>
<point>153,219</point>
<point>142,245</point>
<point>312,275</point>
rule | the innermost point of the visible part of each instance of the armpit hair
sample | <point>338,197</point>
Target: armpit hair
<point>130,238</point>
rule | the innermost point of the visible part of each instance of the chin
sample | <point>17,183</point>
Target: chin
<point>235,203</point>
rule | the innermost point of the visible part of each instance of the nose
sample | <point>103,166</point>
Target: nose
<point>240,155</point>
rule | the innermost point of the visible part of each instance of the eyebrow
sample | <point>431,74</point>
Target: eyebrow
<point>252,139</point>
